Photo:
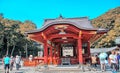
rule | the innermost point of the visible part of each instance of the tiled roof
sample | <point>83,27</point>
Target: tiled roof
<point>80,22</point>
<point>99,50</point>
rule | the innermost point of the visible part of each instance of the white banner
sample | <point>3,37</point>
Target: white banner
<point>67,51</point>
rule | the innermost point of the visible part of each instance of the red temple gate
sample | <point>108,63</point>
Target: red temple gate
<point>66,40</point>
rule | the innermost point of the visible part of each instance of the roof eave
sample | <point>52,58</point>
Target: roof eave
<point>99,31</point>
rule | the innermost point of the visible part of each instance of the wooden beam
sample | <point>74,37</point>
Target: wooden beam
<point>62,35</point>
<point>93,36</point>
<point>96,38</point>
<point>43,35</point>
<point>73,29</point>
<point>37,39</point>
<point>60,40</point>
<point>89,32</point>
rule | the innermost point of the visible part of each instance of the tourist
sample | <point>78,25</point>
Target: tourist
<point>118,58</point>
<point>17,61</point>
<point>102,58</point>
<point>30,58</point>
<point>94,60</point>
<point>7,63</point>
<point>113,61</point>
<point>11,62</point>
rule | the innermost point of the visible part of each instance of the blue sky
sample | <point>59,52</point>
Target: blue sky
<point>38,10</point>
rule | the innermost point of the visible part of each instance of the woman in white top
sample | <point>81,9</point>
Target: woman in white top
<point>17,61</point>
<point>102,58</point>
<point>113,60</point>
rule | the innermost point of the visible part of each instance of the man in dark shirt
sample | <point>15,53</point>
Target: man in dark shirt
<point>118,59</point>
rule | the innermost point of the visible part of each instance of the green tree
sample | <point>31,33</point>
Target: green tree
<point>110,20</point>
<point>12,38</point>
<point>1,34</point>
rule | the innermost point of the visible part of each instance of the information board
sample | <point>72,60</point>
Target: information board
<point>67,51</point>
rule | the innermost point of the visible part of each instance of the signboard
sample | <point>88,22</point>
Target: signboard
<point>67,51</point>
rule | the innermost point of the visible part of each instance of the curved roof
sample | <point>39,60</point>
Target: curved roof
<point>99,50</point>
<point>81,23</point>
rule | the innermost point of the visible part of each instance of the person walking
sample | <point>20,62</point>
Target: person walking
<point>118,57</point>
<point>30,58</point>
<point>94,61</point>
<point>113,61</point>
<point>102,58</point>
<point>7,63</point>
<point>11,62</point>
<point>118,60</point>
<point>17,61</point>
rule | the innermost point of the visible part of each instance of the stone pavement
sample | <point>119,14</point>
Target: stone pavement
<point>52,70</point>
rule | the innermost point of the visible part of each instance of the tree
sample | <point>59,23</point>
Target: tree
<point>1,34</point>
<point>12,38</point>
<point>110,20</point>
<point>26,26</point>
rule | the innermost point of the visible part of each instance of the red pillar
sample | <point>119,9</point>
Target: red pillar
<point>80,56</point>
<point>55,52</point>
<point>50,55</point>
<point>58,51</point>
<point>45,52</point>
<point>88,48</point>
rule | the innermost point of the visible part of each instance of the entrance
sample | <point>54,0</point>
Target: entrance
<point>67,50</point>
<point>67,53</point>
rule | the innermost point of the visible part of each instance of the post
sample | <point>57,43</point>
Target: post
<point>50,55</point>
<point>88,48</point>
<point>45,52</point>
<point>80,49</point>
<point>58,50</point>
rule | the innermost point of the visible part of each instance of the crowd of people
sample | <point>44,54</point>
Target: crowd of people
<point>9,63</point>
<point>112,60</point>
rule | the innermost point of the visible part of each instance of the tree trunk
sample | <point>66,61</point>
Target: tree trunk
<point>7,48</point>
<point>1,41</point>
<point>26,51</point>
<point>13,49</point>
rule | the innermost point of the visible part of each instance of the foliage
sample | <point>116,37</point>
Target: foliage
<point>12,38</point>
<point>110,20</point>
<point>27,25</point>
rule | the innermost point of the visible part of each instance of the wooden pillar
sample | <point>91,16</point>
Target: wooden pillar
<point>55,52</point>
<point>45,52</point>
<point>50,55</point>
<point>88,48</point>
<point>58,51</point>
<point>80,56</point>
